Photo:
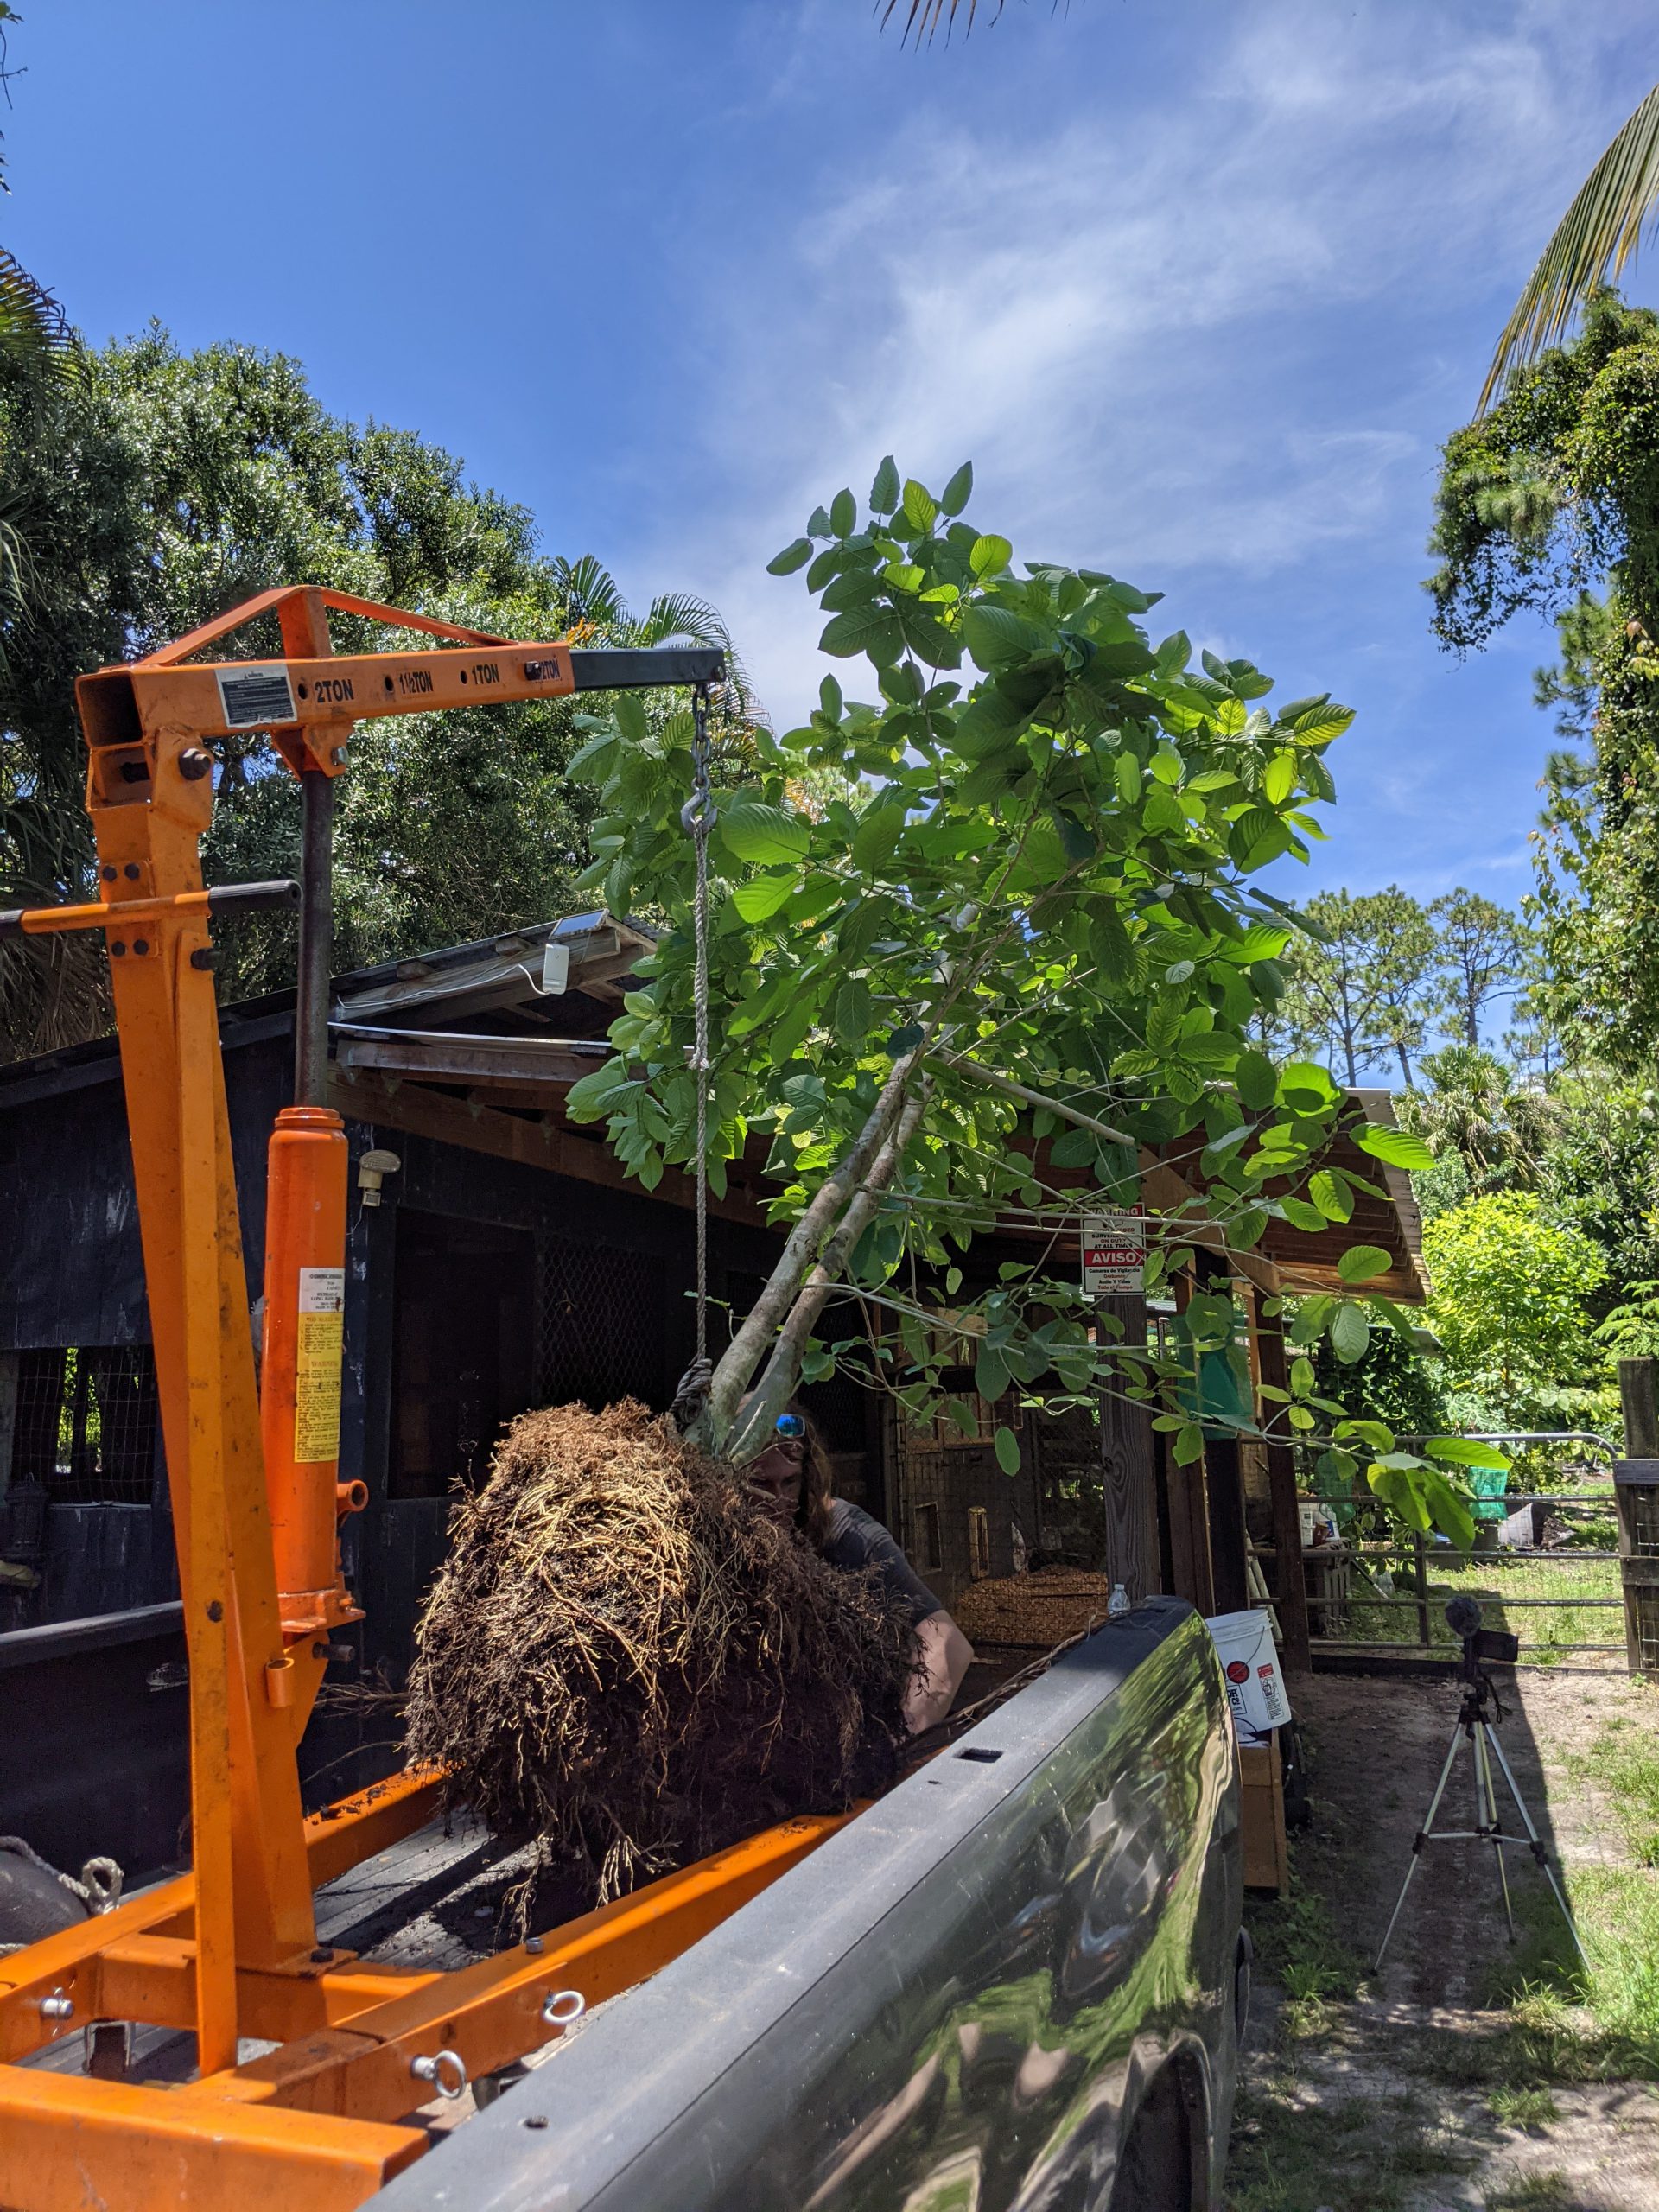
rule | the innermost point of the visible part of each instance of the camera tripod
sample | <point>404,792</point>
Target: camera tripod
<point>1476,1726</point>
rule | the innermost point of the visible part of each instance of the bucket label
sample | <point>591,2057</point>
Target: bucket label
<point>318,1354</point>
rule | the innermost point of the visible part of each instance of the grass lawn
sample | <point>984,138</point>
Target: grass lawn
<point>1544,1630</point>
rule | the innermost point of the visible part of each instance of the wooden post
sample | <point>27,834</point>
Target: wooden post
<point>1636,1398</point>
<point>1188,1516</point>
<point>1129,1475</point>
<point>1636,1488</point>
<point>1290,1588</point>
<point>1419,1584</point>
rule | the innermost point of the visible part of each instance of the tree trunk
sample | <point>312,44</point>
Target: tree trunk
<point>746,1432</point>
<point>806,1240</point>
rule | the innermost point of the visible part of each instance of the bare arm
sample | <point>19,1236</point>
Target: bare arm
<point>943,1655</point>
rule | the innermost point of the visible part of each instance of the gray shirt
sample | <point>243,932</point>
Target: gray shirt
<point>856,1540</point>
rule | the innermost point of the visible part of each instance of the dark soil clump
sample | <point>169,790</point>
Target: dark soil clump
<point>625,1656</point>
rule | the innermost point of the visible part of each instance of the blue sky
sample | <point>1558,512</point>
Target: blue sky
<point>1198,285</point>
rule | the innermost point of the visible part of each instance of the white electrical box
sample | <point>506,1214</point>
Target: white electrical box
<point>555,968</point>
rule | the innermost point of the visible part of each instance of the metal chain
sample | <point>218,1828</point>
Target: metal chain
<point>697,817</point>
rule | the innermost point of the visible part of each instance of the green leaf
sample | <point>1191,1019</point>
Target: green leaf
<point>592,763</point>
<point>1397,1148</point>
<point>994,636</point>
<point>1008,1450</point>
<point>1362,1262</point>
<point>991,1375</point>
<point>879,831</point>
<point>592,1095</point>
<point>1376,1433</point>
<point>921,509</point>
<point>830,699</point>
<point>884,493</point>
<point>852,1015</point>
<point>630,713</point>
<point>1463,1452</point>
<point>957,493</point>
<point>764,835</point>
<point>1349,1334</point>
<point>1451,1514</point>
<point>871,629</point>
<point>1256,1080</point>
<point>1281,780</point>
<point>1188,1445</point>
<point>989,556</point>
<point>1304,1081</point>
<point>844,514</point>
<point>619,886</point>
<point>1300,1215</point>
<point>1334,1199</point>
<point>794,556</point>
<point>762,896</point>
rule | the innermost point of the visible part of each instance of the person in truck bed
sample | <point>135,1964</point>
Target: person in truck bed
<point>793,1474</point>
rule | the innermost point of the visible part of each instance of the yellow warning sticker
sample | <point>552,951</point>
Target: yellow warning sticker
<point>317,1364</point>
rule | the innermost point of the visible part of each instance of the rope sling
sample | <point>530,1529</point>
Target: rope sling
<point>697,817</point>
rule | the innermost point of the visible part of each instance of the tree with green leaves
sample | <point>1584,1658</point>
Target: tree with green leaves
<point>1599,1172</point>
<point>1044,923</point>
<point>1512,1306</point>
<point>1478,955</point>
<point>161,486</point>
<point>1549,497</point>
<point>1487,1132</point>
<point>1359,979</point>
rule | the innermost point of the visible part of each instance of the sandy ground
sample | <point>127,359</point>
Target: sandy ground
<point>1412,2043</point>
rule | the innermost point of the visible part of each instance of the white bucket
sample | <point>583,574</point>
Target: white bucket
<point>1249,1666</point>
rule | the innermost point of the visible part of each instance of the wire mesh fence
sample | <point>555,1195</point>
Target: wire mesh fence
<point>86,1423</point>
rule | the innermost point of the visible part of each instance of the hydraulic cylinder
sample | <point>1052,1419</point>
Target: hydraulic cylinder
<point>300,1380</point>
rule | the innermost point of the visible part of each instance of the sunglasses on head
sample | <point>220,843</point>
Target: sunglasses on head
<point>791,1425</point>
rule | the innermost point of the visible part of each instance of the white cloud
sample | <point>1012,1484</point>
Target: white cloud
<point>1158,333</point>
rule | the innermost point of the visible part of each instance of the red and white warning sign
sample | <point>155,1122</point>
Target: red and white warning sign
<point>1114,1254</point>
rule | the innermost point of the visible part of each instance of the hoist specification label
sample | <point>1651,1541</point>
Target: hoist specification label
<point>1114,1254</point>
<point>255,695</point>
<point>321,1342</point>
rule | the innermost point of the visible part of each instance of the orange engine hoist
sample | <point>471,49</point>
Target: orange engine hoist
<point>229,1951</point>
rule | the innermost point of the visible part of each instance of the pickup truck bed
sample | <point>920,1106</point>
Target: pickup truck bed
<point>1013,1982</point>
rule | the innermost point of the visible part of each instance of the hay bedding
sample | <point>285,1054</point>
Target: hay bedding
<point>626,1657</point>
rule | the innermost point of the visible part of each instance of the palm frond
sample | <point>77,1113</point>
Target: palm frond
<point>923,17</point>
<point>682,614</point>
<point>589,592</point>
<point>1598,234</point>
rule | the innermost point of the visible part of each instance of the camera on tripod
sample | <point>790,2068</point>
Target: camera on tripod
<point>1475,1726</point>
<point>1463,1618</point>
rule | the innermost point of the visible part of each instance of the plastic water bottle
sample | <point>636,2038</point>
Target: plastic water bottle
<point>1118,1603</point>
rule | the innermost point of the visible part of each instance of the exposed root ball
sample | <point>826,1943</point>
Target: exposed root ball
<point>625,1656</point>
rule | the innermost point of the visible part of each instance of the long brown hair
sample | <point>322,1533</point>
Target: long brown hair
<point>817,1481</point>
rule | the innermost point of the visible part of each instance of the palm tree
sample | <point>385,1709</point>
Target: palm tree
<point>596,613</point>
<point>33,331</point>
<point>1600,233</point>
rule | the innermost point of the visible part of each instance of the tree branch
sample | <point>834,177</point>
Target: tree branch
<point>1033,1098</point>
<point>806,1239</point>
<point>782,1370</point>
